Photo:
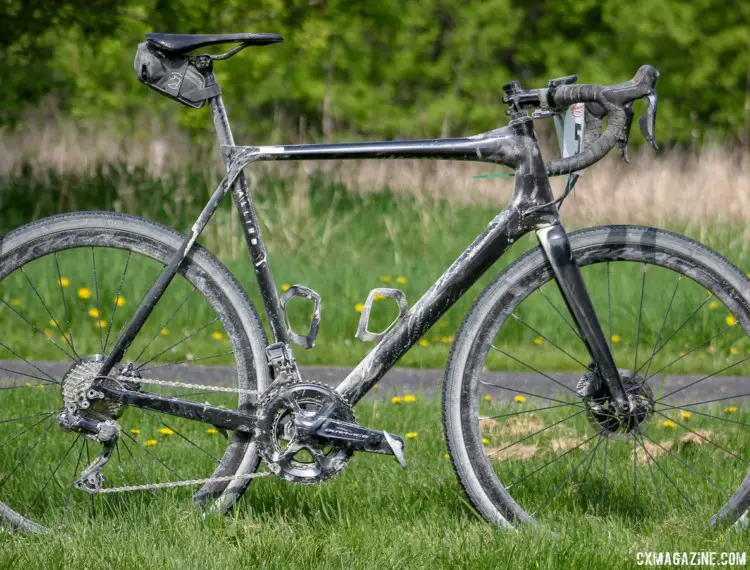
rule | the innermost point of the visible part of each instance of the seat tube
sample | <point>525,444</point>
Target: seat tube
<point>251,229</point>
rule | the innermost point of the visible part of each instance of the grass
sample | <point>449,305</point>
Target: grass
<point>376,515</point>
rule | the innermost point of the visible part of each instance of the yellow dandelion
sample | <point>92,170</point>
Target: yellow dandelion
<point>713,305</point>
<point>166,431</point>
<point>396,400</point>
<point>411,435</point>
<point>164,332</point>
<point>686,415</point>
<point>669,424</point>
<point>445,340</point>
<point>423,342</point>
<point>84,293</point>
<point>285,287</point>
<point>538,340</point>
<point>135,431</point>
<point>52,323</point>
<point>212,431</point>
<point>436,338</point>
<point>446,456</point>
<point>730,320</point>
<point>616,338</point>
<point>102,324</point>
<point>65,336</point>
<point>488,398</point>
<point>451,338</point>
<point>402,280</point>
<point>734,350</point>
<point>378,297</point>
<point>217,335</point>
<point>731,409</point>
<point>386,278</point>
<point>519,399</point>
<point>150,443</point>
<point>48,333</point>
<point>94,313</point>
<point>485,441</point>
<point>120,301</point>
<point>64,281</point>
<point>15,302</point>
<point>409,398</point>
<point>359,307</point>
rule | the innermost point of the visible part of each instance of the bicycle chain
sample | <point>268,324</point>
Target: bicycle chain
<point>187,482</point>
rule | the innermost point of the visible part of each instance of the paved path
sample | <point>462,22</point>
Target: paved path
<point>425,381</point>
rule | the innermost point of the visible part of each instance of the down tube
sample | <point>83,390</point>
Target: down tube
<point>501,233</point>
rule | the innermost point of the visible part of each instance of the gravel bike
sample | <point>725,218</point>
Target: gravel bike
<point>626,305</point>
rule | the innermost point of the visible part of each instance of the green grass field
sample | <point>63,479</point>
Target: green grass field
<point>376,515</point>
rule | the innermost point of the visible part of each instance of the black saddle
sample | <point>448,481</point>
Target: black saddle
<point>183,43</point>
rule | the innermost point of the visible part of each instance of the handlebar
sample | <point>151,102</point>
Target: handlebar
<point>615,101</point>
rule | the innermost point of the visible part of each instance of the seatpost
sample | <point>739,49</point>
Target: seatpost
<point>258,255</point>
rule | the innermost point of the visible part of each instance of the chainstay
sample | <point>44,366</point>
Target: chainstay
<point>186,483</point>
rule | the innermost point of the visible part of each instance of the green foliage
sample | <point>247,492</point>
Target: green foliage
<point>387,69</point>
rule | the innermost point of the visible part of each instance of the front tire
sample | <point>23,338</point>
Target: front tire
<point>507,488</point>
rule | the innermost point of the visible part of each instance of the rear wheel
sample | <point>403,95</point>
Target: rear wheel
<point>527,447</point>
<point>68,287</point>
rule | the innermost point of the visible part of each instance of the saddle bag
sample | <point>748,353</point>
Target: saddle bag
<point>174,75</point>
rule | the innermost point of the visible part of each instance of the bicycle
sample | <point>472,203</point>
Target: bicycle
<point>306,432</point>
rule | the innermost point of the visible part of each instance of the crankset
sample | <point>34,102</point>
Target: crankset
<point>306,433</point>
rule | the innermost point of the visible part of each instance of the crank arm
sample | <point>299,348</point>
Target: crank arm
<point>360,438</point>
<point>220,418</point>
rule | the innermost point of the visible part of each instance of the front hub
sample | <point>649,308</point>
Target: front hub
<point>604,415</point>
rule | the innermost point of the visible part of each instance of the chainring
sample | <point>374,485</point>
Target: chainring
<point>292,455</point>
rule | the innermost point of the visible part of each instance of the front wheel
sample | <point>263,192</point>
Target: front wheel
<point>527,447</point>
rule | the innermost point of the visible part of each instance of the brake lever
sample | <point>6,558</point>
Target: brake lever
<point>622,141</point>
<point>647,122</point>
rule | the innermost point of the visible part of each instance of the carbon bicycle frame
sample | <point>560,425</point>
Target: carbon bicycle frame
<point>531,208</point>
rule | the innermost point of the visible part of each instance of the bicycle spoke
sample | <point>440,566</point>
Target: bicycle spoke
<point>560,486</point>
<point>517,391</point>
<point>659,467</point>
<point>190,441</point>
<point>167,467</point>
<point>65,304</point>
<point>116,302</point>
<point>526,411</point>
<point>704,343</point>
<point>535,433</point>
<point>530,367</point>
<point>26,375</point>
<point>34,366</point>
<point>661,328</point>
<point>551,461</point>
<point>38,330</point>
<point>685,322</point>
<point>186,361</point>
<point>640,315</point>
<point>683,426</point>
<point>137,464</point>
<point>687,466</point>
<point>733,397</point>
<point>183,339</point>
<point>158,331</point>
<point>554,307</point>
<point>46,308</point>
<point>536,332</point>
<point>653,478</point>
<point>98,304</point>
<point>609,307</point>
<point>54,472</point>
<point>702,379</point>
<point>19,434</point>
<point>30,449</point>
<point>72,485</point>
<point>29,416</point>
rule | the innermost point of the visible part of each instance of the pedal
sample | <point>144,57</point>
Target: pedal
<point>361,438</point>
<point>363,333</point>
